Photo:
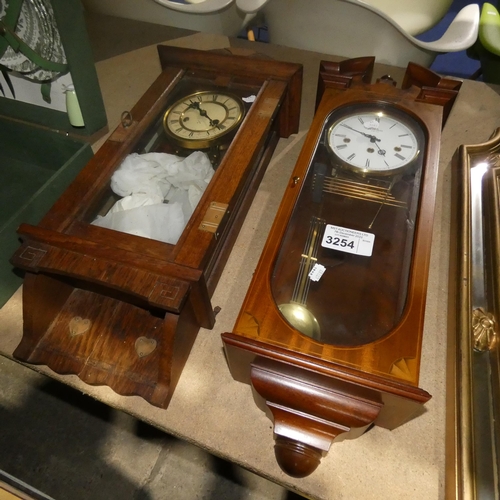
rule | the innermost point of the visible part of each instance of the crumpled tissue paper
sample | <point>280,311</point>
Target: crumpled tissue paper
<point>159,194</point>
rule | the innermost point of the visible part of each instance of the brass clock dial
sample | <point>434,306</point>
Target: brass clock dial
<point>376,141</point>
<point>199,120</point>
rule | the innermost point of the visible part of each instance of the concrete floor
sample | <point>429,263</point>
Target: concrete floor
<point>70,446</point>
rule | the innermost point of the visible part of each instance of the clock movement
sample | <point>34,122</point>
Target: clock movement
<point>330,332</point>
<point>118,305</point>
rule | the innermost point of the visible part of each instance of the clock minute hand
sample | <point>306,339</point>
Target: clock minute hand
<point>380,150</point>
<point>213,123</point>
<point>370,136</point>
<point>196,105</point>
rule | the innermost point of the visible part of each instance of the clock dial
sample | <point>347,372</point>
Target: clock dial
<point>372,143</point>
<point>199,119</point>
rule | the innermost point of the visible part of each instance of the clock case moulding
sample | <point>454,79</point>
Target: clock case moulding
<point>473,385</point>
<point>313,391</point>
<point>121,310</point>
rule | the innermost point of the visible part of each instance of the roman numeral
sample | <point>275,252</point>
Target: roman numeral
<point>401,157</point>
<point>351,157</point>
<point>342,146</point>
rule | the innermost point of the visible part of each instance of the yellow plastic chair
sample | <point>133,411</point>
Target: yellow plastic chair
<point>487,47</point>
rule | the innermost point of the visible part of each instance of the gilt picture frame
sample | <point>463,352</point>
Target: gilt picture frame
<point>473,385</point>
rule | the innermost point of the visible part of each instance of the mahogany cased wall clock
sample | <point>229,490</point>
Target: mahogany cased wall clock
<point>122,309</point>
<point>330,332</point>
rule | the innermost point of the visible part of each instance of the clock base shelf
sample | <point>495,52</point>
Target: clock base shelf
<point>313,404</point>
<point>105,341</point>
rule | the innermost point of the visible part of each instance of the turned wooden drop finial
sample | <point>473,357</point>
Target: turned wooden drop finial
<point>296,459</point>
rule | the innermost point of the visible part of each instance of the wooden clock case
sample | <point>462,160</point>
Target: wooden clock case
<point>312,390</point>
<point>121,310</point>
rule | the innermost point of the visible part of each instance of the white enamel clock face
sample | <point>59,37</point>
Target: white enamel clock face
<point>372,143</point>
<point>199,119</point>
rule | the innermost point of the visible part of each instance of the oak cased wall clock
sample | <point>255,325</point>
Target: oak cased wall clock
<point>330,332</point>
<point>120,307</point>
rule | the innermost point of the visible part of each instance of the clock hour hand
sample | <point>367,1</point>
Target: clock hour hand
<point>194,105</point>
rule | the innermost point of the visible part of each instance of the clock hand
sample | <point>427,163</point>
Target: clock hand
<point>213,123</point>
<point>380,151</point>
<point>370,136</point>
<point>383,201</point>
<point>196,105</point>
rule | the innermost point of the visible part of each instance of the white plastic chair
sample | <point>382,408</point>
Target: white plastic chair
<point>352,28</point>
<point>197,7</point>
<point>209,16</point>
<point>414,17</point>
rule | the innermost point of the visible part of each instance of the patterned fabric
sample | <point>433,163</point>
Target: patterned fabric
<point>37,28</point>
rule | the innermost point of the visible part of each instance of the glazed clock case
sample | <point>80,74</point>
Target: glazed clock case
<point>122,310</point>
<point>330,355</point>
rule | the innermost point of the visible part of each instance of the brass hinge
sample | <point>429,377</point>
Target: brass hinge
<point>213,216</point>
